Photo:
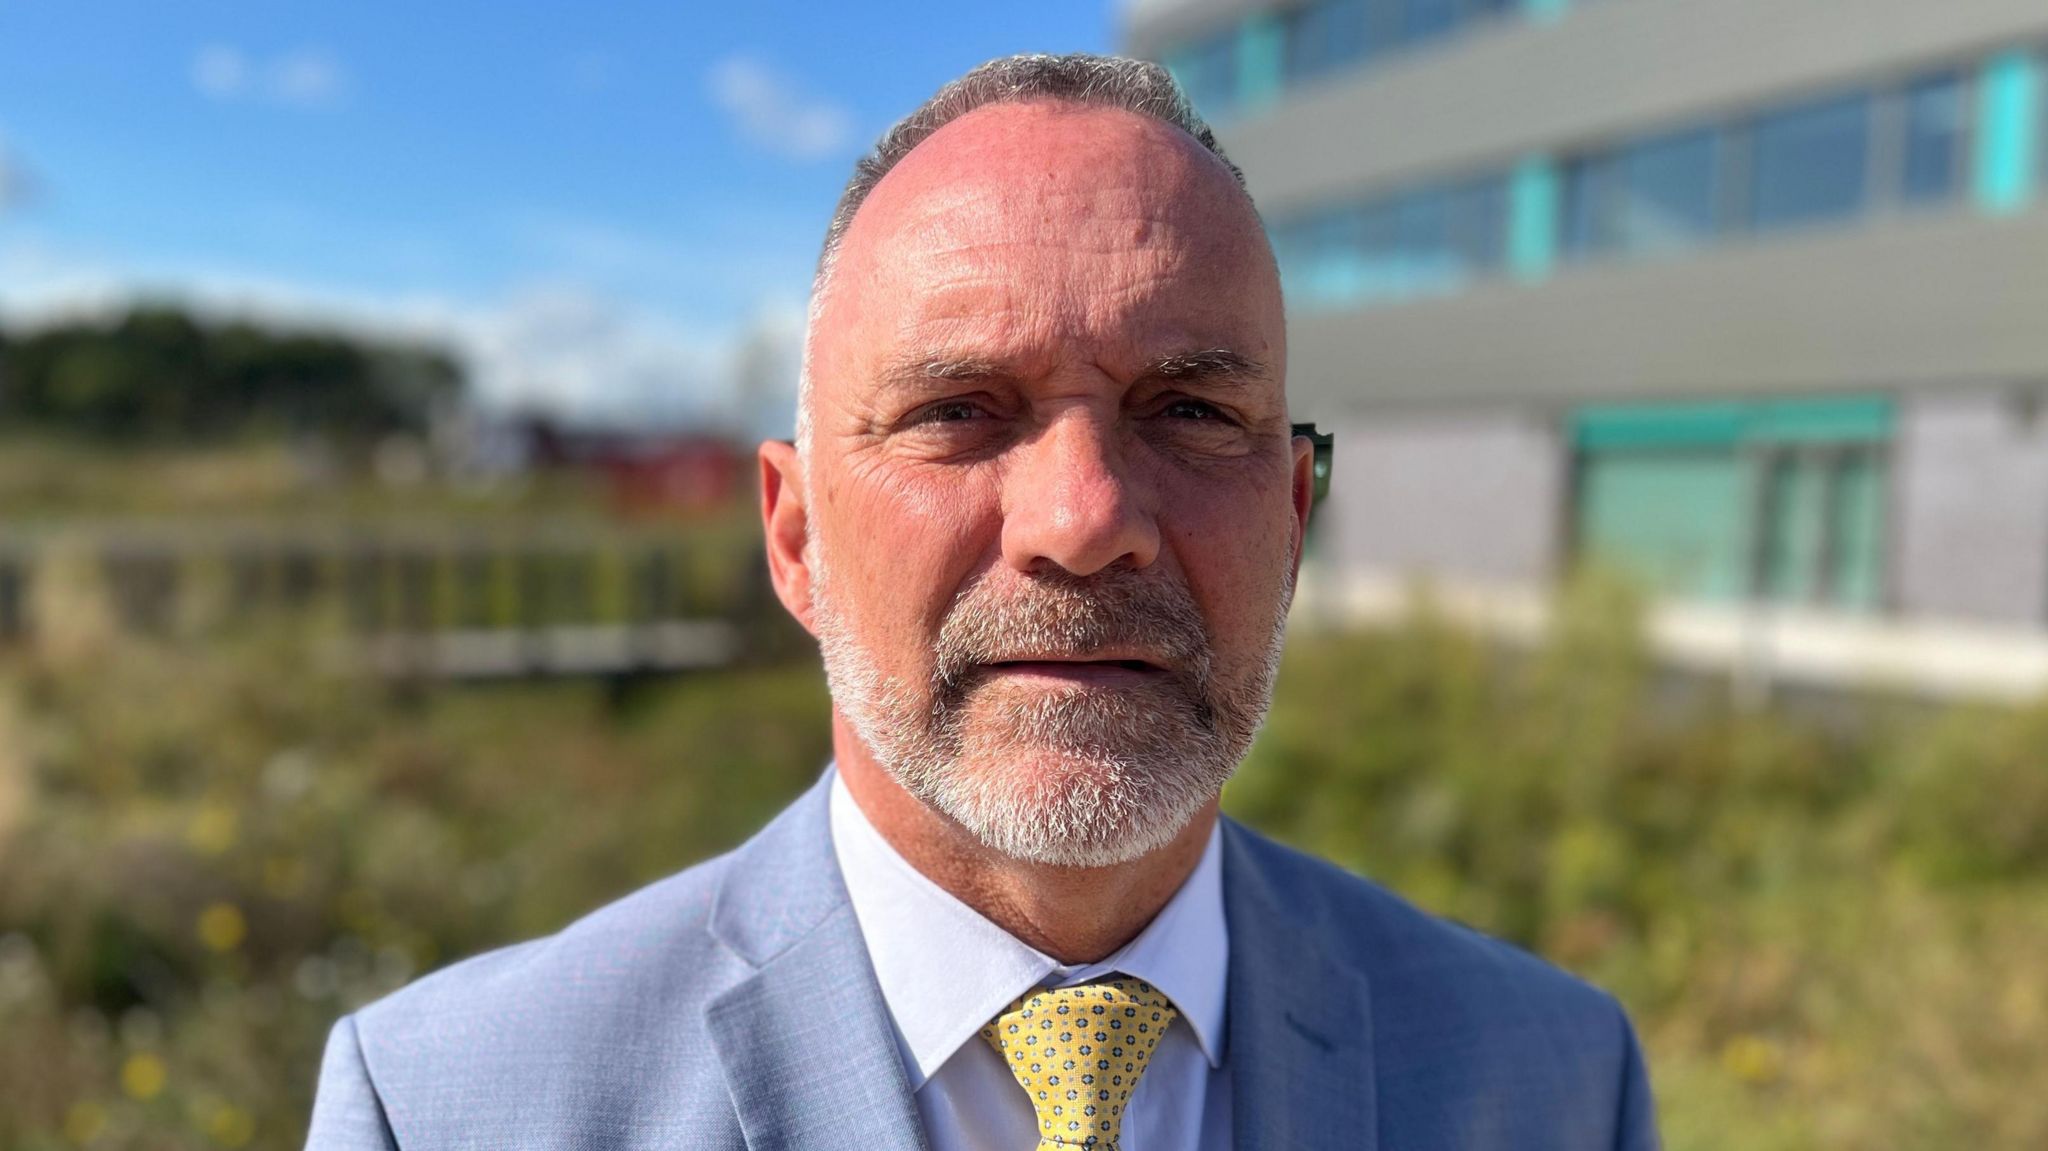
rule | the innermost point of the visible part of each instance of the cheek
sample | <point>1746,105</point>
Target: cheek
<point>900,543</point>
<point>1235,544</point>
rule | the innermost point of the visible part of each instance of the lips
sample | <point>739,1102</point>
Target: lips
<point>1078,671</point>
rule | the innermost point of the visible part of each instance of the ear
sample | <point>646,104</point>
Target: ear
<point>783,516</point>
<point>1304,494</point>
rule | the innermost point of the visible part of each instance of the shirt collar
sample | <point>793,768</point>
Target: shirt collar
<point>945,970</point>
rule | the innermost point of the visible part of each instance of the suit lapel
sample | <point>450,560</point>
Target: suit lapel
<point>1300,1031</point>
<point>805,1041</point>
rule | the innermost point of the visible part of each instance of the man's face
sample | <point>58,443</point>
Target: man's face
<point>1053,507</point>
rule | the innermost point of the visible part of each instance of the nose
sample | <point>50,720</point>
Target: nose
<point>1071,501</point>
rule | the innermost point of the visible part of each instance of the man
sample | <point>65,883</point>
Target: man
<point>1044,515</point>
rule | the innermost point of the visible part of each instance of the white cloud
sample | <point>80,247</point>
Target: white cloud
<point>308,78</point>
<point>770,110</point>
<point>220,72</point>
<point>563,349</point>
<point>301,78</point>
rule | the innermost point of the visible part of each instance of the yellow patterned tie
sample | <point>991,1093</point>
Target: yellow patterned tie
<point>1078,1052</point>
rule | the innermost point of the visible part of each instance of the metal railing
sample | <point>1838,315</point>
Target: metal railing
<point>414,600</point>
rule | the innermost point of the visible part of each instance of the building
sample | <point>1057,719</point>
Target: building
<point>647,472</point>
<point>1746,297</point>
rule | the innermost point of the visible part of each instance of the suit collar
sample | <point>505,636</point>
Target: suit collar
<point>946,970</point>
<point>804,1040</point>
<point>1301,1045</point>
<point>782,883</point>
<point>1299,1024</point>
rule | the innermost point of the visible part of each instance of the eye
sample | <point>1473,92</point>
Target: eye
<point>1189,409</point>
<point>948,412</point>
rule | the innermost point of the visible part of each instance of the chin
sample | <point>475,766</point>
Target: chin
<point>1069,806</point>
<point>1062,777</point>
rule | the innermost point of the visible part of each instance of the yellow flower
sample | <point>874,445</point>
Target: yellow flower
<point>142,1077</point>
<point>221,927</point>
<point>214,829</point>
<point>84,1121</point>
<point>1752,1059</point>
<point>230,1126</point>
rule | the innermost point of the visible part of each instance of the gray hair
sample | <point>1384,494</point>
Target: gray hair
<point>1138,86</point>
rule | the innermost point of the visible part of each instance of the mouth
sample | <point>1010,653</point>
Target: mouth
<point>1094,671</point>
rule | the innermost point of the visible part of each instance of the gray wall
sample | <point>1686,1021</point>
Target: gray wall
<point>1926,302</point>
<point>1472,494</point>
<point>1970,509</point>
<point>1611,68</point>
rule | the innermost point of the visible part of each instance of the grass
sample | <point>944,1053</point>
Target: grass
<point>1830,936</point>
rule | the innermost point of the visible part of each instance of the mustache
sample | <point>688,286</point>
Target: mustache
<point>1059,615</point>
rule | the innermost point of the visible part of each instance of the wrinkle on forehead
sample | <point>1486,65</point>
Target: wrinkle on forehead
<point>1081,179</point>
<point>1106,206</point>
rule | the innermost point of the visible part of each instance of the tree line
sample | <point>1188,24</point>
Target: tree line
<point>157,372</point>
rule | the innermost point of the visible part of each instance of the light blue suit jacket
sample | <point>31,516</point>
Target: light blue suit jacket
<point>733,1006</point>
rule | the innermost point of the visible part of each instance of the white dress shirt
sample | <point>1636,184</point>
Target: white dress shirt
<point>945,971</point>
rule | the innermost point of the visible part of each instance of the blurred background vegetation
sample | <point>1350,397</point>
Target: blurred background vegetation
<point>1828,917</point>
<point>1827,914</point>
<point>377,580</point>
<point>154,372</point>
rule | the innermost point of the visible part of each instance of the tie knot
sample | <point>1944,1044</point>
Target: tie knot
<point>1078,1052</point>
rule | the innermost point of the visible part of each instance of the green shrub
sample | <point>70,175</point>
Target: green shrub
<point>1829,934</point>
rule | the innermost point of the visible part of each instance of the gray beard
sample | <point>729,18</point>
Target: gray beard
<point>1072,777</point>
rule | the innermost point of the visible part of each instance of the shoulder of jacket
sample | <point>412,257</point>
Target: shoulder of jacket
<point>666,919</point>
<point>1401,946</point>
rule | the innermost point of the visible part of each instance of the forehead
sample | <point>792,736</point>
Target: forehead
<point>1046,225</point>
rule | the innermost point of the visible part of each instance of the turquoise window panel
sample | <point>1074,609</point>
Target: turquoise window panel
<point>1781,500</point>
<point>1858,562</point>
<point>1675,520</point>
<point>1545,10</point>
<point>1533,217</point>
<point>1822,420</point>
<point>1261,61</point>
<point>1661,426</point>
<point>1829,420</point>
<point>2008,132</point>
<point>1795,527</point>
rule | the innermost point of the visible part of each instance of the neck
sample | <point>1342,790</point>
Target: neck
<point>1074,914</point>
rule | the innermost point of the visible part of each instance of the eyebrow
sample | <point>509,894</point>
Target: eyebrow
<point>915,373</point>
<point>1205,365</point>
<point>1209,365</point>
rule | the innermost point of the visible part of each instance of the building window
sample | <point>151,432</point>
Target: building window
<point>1655,196</point>
<point>1207,72</point>
<point>1936,117</point>
<point>1424,20</point>
<point>1588,192</point>
<point>1479,223</point>
<point>1427,253</point>
<point>1425,240</point>
<point>1667,193</point>
<point>1779,502</point>
<point>1817,161</point>
<point>1810,163</point>
<point>1820,517</point>
<point>1324,36</point>
<point>1670,518</point>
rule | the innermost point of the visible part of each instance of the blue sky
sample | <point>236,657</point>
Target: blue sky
<point>599,202</point>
